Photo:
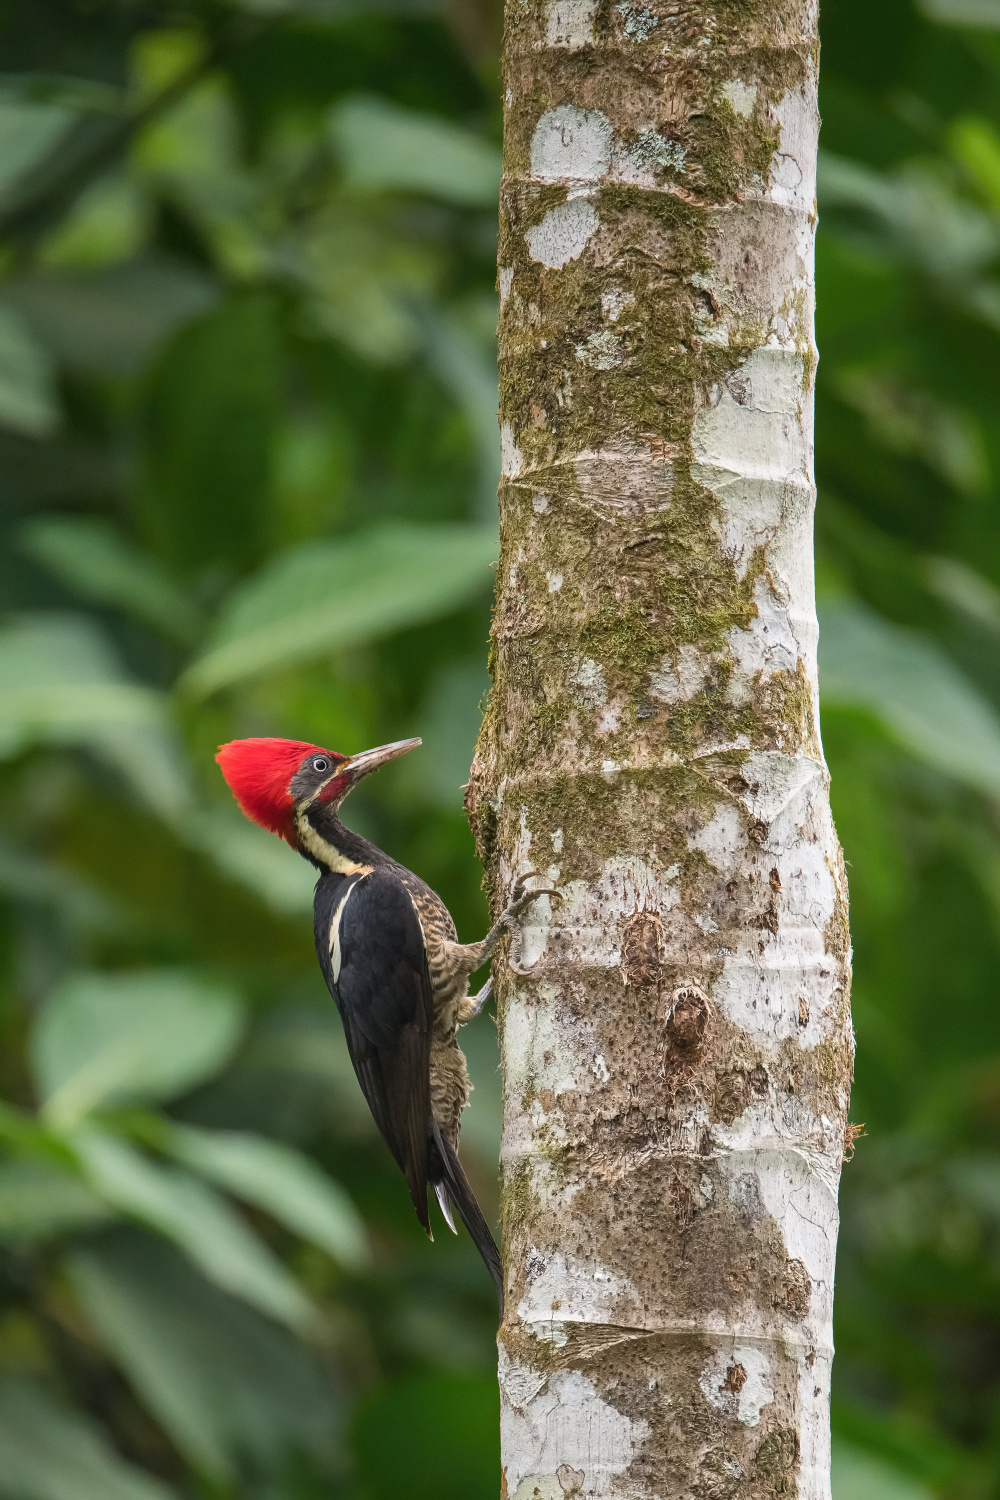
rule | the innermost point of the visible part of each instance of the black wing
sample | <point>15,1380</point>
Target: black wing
<point>371,951</point>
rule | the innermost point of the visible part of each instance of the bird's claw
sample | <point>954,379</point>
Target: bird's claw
<point>521,898</point>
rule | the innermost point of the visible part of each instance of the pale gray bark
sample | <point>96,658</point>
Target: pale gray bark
<point>676,1032</point>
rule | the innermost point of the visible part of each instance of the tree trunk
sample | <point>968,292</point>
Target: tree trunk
<point>676,1032</point>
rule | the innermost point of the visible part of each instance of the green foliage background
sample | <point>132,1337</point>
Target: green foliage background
<point>248,458</point>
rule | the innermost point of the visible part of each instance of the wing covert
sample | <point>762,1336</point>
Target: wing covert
<point>371,949</point>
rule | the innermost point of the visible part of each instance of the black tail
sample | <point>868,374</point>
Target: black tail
<point>444,1166</point>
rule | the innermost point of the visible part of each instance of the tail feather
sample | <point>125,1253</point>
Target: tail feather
<point>445,1170</point>
<point>444,1204</point>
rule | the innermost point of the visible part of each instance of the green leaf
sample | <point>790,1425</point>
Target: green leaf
<point>94,559</point>
<point>309,1044</point>
<point>984,13</point>
<point>462,353</point>
<point>38,1201</point>
<point>482,1128</point>
<point>29,129</point>
<point>220,1379</point>
<point>197,1219</point>
<point>61,684</point>
<point>907,681</point>
<point>104,1038</point>
<point>964,589</point>
<point>365,281</point>
<point>111,321</point>
<point>257,860</point>
<point>450,720</point>
<point>109,223</point>
<point>209,424</point>
<point>977,1179</point>
<point>382,145</point>
<point>858,1475</point>
<point>283,1182</point>
<point>928,222</point>
<point>330,595</point>
<point>336,10</point>
<point>49,1452</point>
<point>28,880</point>
<point>974,142</point>
<point>28,401</point>
<point>23,1134</point>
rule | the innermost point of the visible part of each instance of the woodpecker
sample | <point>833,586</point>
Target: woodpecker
<point>391,959</point>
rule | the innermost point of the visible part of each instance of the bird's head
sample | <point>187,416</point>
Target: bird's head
<point>275,781</point>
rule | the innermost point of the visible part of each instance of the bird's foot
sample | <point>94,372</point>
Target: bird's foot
<point>473,1004</point>
<point>521,898</point>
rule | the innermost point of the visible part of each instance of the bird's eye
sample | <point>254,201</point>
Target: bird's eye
<point>320,763</point>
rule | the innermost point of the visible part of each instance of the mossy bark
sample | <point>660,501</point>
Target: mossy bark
<point>676,1031</point>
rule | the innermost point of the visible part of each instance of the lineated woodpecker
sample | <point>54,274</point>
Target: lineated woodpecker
<point>389,952</point>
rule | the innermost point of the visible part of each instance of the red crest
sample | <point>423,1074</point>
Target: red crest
<point>258,773</point>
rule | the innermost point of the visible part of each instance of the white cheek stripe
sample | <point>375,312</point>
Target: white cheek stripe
<point>335,954</point>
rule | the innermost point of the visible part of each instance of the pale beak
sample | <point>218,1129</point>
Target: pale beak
<point>370,760</point>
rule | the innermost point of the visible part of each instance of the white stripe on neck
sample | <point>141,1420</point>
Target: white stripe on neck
<point>321,849</point>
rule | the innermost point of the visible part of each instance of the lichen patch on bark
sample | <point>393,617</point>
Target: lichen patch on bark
<point>675,1029</point>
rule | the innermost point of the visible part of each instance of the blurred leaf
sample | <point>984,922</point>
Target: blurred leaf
<point>482,1123</point>
<point>161,56</point>
<point>330,10</point>
<point>915,689</point>
<point>309,1044</point>
<point>465,361</point>
<point>450,719</point>
<point>222,1380</point>
<point>59,681</point>
<point>28,401</point>
<point>366,281</point>
<point>23,1133</point>
<point>861,1476</point>
<point>963,12</point>
<point>957,584</point>
<point>59,470</point>
<point>60,684</point>
<point>113,320</point>
<point>103,1038</point>
<point>71,93</point>
<point>38,1201</point>
<point>93,558</point>
<point>430,1436</point>
<point>197,1219</point>
<point>902,1442</point>
<point>193,153</point>
<point>109,223</point>
<point>48,1452</point>
<point>255,859</point>
<point>384,146</point>
<point>28,131</point>
<point>925,219</point>
<point>331,595</point>
<point>976,145</point>
<point>913,422</point>
<point>26,879</point>
<point>210,419</point>
<point>281,1181</point>
<point>977,1178</point>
